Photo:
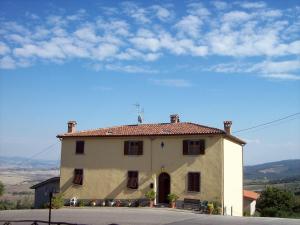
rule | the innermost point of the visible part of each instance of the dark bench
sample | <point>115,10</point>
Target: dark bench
<point>189,203</point>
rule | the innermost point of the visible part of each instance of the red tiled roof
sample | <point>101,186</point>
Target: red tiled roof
<point>147,130</point>
<point>158,129</point>
<point>250,194</point>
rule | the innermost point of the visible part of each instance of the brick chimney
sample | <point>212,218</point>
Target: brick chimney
<point>71,126</point>
<point>174,118</point>
<point>227,127</point>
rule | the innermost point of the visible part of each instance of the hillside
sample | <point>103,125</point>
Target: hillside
<point>25,163</point>
<point>287,170</point>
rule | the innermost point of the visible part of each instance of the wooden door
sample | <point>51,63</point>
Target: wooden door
<point>163,187</point>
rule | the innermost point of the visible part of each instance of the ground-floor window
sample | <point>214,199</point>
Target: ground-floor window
<point>78,176</point>
<point>133,179</point>
<point>194,181</point>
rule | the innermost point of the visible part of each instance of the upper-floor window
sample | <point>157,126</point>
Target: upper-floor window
<point>79,147</point>
<point>194,147</point>
<point>78,176</point>
<point>133,148</point>
<point>194,181</point>
<point>133,179</point>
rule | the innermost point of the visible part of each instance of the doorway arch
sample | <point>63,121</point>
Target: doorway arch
<point>164,183</point>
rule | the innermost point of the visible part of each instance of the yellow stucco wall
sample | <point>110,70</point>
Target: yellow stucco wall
<point>105,167</point>
<point>233,178</point>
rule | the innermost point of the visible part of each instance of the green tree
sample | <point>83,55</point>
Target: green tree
<point>273,201</point>
<point>1,188</point>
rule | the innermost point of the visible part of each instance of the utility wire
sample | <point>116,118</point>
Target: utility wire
<point>267,123</point>
<point>38,153</point>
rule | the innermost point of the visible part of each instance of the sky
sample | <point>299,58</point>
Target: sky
<point>92,61</point>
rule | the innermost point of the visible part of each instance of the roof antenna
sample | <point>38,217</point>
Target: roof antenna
<point>140,113</point>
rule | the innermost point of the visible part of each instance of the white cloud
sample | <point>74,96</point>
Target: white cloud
<point>282,76</point>
<point>236,16</point>
<point>220,5</point>
<point>162,13</point>
<point>86,34</point>
<point>128,68</point>
<point>280,70</point>
<point>189,25</point>
<point>4,49</point>
<point>252,5</point>
<point>7,63</point>
<point>179,83</point>
<point>104,51</point>
<point>151,44</point>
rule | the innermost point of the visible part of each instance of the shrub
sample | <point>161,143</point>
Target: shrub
<point>7,205</point>
<point>81,203</point>
<point>1,189</point>
<point>150,195</point>
<point>274,199</point>
<point>57,201</point>
<point>25,203</point>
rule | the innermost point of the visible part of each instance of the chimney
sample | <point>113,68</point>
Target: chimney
<point>227,126</point>
<point>71,126</point>
<point>174,118</point>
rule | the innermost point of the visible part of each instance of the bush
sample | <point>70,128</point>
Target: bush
<point>7,205</point>
<point>269,212</point>
<point>1,189</point>
<point>274,199</point>
<point>57,201</point>
<point>25,203</point>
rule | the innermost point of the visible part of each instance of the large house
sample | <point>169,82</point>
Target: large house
<point>124,162</point>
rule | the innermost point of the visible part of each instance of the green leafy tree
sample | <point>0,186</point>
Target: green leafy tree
<point>273,201</point>
<point>1,188</point>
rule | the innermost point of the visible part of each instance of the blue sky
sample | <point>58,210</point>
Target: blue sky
<point>208,61</point>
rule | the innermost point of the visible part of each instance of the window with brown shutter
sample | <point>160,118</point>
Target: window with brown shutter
<point>133,148</point>
<point>193,147</point>
<point>79,147</point>
<point>194,181</point>
<point>78,176</point>
<point>133,179</point>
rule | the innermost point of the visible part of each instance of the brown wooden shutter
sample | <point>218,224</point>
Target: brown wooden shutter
<point>197,182</point>
<point>185,147</point>
<point>202,147</point>
<point>190,182</point>
<point>140,151</point>
<point>126,147</point>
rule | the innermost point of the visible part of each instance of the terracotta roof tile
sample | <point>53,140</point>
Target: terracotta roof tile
<point>157,129</point>
<point>160,129</point>
<point>250,194</point>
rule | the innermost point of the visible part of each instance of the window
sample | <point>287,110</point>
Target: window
<point>133,179</point>
<point>133,148</point>
<point>79,147</point>
<point>78,176</point>
<point>194,181</point>
<point>193,147</point>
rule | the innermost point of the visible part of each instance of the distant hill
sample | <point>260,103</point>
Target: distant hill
<point>25,163</point>
<point>281,170</point>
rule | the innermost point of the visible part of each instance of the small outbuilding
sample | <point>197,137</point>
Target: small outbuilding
<point>43,189</point>
<point>250,198</point>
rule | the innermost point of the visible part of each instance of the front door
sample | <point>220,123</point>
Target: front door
<point>163,187</point>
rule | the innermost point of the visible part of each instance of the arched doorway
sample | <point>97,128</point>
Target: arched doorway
<point>163,187</point>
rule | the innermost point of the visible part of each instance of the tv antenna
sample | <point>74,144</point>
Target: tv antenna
<point>140,113</point>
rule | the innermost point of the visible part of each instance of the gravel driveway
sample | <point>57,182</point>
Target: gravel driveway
<point>134,216</point>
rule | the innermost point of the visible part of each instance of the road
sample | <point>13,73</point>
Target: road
<point>135,216</point>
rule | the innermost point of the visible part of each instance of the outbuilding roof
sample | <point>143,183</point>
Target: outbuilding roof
<point>51,180</point>
<point>157,129</point>
<point>250,194</point>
